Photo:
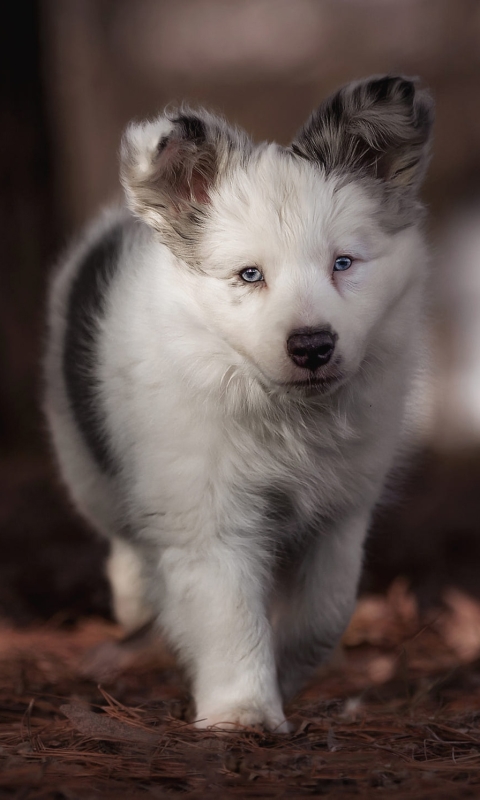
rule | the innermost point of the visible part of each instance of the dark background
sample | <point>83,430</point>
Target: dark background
<point>72,74</point>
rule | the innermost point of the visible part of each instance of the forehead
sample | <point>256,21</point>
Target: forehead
<point>281,201</point>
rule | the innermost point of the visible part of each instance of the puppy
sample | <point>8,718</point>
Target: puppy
<point>227,376</point>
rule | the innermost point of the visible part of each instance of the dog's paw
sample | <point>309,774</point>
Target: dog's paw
<point>240,717</point>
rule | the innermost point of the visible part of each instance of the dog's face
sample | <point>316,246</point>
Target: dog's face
<point>295,256</point>
<point>298,271</point>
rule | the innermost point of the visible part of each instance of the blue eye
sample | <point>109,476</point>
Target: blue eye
<point>251,275</point>
<point>342,263</point>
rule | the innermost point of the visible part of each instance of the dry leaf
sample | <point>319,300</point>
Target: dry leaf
<point>460,625</point>
<point>384,620</point>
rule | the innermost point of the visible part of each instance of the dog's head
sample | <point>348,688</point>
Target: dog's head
<point>296,256</point>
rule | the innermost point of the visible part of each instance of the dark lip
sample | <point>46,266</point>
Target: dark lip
<point>314,383</point>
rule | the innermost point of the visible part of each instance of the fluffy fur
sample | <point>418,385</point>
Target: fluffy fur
<point>237,486</point>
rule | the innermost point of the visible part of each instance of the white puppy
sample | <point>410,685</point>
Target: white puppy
<point>227,373</point>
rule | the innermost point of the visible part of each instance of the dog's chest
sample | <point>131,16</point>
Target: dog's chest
<point>294,479</point>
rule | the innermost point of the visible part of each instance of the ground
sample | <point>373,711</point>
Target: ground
<point>398,711</point>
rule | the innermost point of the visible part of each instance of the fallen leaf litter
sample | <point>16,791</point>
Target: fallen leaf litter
<point>397,711</point>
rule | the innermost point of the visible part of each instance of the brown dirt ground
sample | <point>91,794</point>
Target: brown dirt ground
<point>396,714</point>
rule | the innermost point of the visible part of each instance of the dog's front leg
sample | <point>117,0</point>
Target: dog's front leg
<point>314,604</point>
<point>214,615</point>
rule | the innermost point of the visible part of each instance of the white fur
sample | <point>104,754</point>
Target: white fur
<point>194,375</point>
<point>124,571</point>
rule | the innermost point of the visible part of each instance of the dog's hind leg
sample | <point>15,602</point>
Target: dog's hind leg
<point>127,582</point>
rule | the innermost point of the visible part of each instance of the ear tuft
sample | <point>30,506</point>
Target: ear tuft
<point>165,161</point>
<point>170,166</point>
<point>380,128</point>
<point>193,127</point>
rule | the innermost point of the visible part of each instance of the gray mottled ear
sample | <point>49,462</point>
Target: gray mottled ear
<point>379,127</point>
<point>169,167</point>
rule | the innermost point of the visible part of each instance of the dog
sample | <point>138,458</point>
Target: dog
<point>227,377</point>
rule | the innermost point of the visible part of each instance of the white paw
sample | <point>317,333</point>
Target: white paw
<point>239,717</point>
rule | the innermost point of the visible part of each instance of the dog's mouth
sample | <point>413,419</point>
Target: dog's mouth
<point>309,385</point>
<point>321,382</point>
<point>314,384</point>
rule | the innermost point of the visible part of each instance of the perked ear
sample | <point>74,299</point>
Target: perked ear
<point>169,167</point>
<point>380,128</point>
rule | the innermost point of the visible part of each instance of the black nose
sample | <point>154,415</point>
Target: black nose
<point>311,350</point>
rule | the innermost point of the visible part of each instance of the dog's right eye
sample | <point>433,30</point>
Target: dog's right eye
<point>251,275</point>
<point>342,263</point>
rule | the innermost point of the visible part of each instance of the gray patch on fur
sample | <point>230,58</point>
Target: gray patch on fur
<point>280,506</point>
<point>172,194</point>
<point>377,131</point>
<point>85,305</point>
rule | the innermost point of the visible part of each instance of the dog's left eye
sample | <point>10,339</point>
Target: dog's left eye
<point>251,275</point>
<point>342,263</point>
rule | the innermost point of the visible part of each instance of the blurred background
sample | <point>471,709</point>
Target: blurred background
<point>73,73</point>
